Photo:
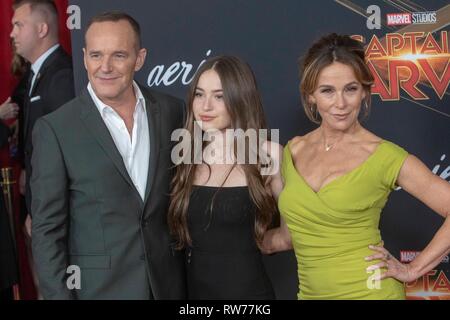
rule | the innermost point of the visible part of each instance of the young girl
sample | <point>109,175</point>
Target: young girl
<point>221,209</point>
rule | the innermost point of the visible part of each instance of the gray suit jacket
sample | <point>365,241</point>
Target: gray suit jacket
<point>87,211</point>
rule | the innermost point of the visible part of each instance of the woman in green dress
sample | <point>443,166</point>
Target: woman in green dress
<point>337,180</point>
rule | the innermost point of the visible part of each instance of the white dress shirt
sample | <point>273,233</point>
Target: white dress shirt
<point>135,150</point>
<point>36,66</point>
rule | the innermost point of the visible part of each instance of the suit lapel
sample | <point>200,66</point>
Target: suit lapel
<point>47,63</point>
<point>97,127</point>
<point>154,123</point>
<point>36,81</point>
<point>26,102</point>
<point>31,92</point>
<point>100,132</point>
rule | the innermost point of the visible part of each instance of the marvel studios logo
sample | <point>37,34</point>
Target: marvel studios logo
<point>408,256</point>
<point>398,19</point>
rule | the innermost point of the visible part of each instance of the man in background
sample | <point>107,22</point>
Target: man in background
<point>49,82</point>
<point>50,78</point>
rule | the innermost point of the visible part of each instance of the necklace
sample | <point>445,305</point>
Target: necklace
<point>329,146</point>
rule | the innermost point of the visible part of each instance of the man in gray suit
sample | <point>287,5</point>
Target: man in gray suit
<point>101,176</point>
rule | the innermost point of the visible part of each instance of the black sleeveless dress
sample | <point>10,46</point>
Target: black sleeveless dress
<point>224,261</point>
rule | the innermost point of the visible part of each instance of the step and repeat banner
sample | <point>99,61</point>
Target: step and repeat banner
<point>407,44</point>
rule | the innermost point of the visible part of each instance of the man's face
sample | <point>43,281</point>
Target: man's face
<point>111,58</point>
<point>25,32</point>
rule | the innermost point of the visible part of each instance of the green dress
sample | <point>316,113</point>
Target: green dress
<point>331,229</point>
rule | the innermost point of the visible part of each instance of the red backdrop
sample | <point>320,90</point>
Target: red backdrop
<point>7,84</point>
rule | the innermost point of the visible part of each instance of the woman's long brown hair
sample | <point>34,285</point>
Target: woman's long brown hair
<point>244,105</point>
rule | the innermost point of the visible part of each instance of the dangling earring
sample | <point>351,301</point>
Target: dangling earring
<point>366,108</point>
<point>315,113</point>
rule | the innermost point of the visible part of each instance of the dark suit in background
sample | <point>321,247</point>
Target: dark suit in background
<point>87,211</point>
<point>52,88</point>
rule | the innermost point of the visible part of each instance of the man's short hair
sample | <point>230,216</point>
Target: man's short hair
<point>46,8</point>
<point>115,16</point>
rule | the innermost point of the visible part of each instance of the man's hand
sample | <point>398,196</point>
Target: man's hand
<point>8,110</point>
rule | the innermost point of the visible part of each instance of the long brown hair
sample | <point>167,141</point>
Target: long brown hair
<point>243,103</point>
<point>18,65</point>
<point>325,51</point>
